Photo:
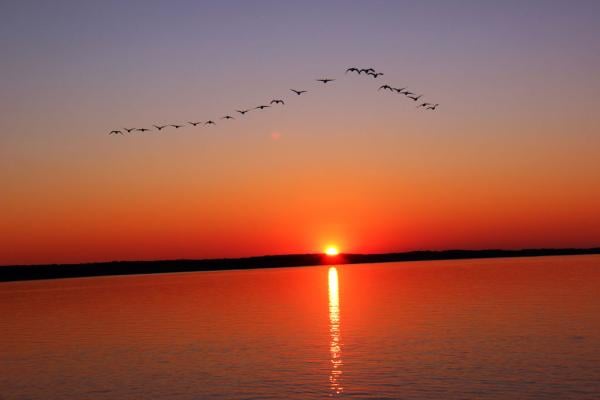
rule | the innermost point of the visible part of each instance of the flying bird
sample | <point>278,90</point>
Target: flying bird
<point>367,71</point>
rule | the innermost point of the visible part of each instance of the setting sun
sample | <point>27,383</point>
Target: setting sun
<point>331,251</point>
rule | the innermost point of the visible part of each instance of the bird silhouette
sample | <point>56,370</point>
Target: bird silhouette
<point>368,71</point>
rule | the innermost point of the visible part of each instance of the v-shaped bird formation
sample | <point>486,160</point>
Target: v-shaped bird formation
<point>367,72</point>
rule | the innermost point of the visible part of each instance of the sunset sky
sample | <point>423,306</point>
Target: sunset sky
<point>510,159</point>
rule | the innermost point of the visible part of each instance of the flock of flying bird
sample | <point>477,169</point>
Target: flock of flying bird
<point>359,71</point>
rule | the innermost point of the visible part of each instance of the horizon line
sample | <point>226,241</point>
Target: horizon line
<point>341,254</point>
<point>60,271</point>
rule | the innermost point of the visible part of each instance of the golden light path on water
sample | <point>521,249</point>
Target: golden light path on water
<point>335,350</point>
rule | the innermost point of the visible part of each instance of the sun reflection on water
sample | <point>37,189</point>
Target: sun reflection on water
<point>335,350</point>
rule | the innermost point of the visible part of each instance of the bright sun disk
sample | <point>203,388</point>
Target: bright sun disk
<point>331,251</point>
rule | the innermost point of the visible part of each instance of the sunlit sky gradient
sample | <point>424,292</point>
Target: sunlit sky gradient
<point>510,159</point>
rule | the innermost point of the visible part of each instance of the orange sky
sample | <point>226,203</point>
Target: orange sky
<point>510,159</point>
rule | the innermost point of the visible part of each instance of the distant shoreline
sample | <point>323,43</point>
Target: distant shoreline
<point>59,271</point>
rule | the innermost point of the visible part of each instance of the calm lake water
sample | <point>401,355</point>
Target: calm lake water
<point>525,328</point>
